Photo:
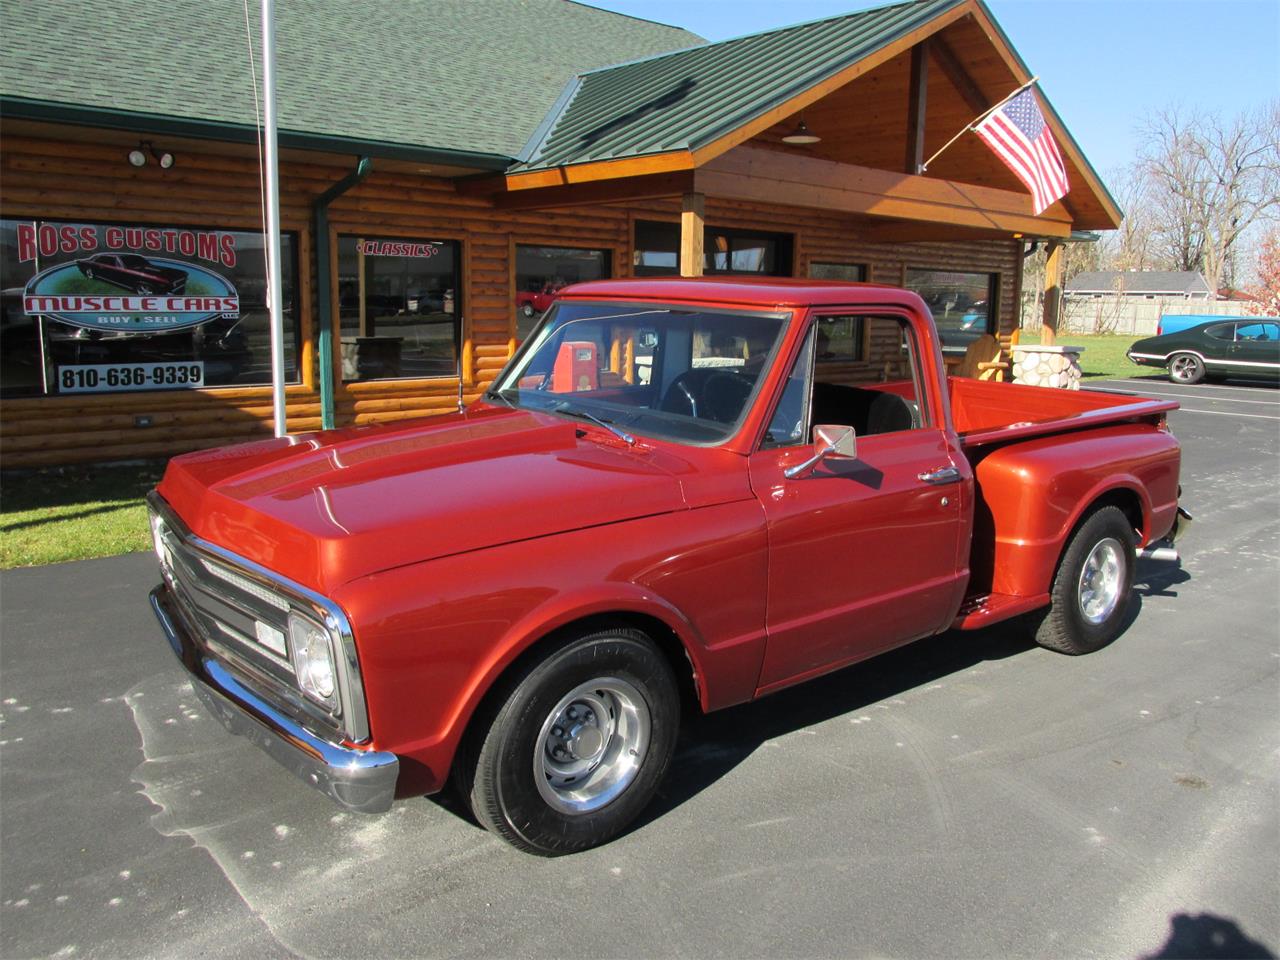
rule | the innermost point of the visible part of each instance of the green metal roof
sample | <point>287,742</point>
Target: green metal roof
<point>686,99</point>
<point>454,75</point>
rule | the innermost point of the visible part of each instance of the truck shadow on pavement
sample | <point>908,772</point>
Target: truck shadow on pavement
<point>711,745</point>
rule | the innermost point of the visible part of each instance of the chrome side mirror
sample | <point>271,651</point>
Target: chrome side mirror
<point>830,441</point>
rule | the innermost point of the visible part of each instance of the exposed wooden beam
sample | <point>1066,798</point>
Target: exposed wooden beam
<point>598,191</point>
<point>602,170</point>
<point>693,217</point>
<point>1052,291</point>
<point>958,77</point>
<point>768,176</point>
<point>917,102</point>
<point>907,231</point>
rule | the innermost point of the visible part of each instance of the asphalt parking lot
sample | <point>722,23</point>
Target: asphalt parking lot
<point>971,795</point>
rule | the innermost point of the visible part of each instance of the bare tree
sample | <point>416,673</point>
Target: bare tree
<point>1130,247</point>
<point>1209,180</point>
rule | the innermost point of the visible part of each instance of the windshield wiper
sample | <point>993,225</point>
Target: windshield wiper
<point>563,407</point>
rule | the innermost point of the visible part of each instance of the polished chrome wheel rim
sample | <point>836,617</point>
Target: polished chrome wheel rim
<point>1184,368</point>
<point>591,745</point>
<point>1101,579</point>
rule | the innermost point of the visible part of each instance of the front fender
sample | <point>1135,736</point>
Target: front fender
<point>433,638</point>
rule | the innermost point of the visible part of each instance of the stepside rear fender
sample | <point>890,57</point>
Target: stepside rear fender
<point>1032,494</point>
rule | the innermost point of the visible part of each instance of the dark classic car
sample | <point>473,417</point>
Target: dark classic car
<point>134,273</point>
<point>1228,347</point>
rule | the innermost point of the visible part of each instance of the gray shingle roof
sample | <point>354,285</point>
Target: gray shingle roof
<point>1138,281</point>
<point>687,99</point>
<point>474,75</point>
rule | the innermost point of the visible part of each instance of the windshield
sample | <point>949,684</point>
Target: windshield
<point>675,373</point>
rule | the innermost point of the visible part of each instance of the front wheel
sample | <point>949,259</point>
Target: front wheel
<point>1091,590</point>
<point>1186,368</point>
<point>579,746</point>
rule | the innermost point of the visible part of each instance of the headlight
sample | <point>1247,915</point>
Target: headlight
<point>311,648</point>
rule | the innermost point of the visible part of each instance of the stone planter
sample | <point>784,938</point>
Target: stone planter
<point>1047,366</point>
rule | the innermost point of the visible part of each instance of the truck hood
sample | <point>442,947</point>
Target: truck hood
<point>326,508</point>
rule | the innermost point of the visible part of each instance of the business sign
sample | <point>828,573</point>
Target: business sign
<point>396,248</point>
<point>109,377</point>
<point>116,282</point>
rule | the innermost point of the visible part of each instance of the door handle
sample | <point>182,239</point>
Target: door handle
<point>941,475</point>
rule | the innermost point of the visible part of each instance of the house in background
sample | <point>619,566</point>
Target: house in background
<point>442,169</point>
<point>1143,284</point>
<point>1131,302</point>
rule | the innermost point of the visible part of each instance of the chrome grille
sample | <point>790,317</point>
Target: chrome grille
<point>223,599</point>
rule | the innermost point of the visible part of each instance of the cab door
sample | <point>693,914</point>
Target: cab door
<point>866,553</point>
<point>1256,350</point>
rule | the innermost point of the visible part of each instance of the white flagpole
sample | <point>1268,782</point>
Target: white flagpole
<point>977,120</point>
<point>275,299</point>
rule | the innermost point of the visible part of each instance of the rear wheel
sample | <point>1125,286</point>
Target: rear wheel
<point>579,746</point>
<point>1186,368</point>
<point>1091,590</point>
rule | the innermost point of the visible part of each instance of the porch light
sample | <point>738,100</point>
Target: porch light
<point>801,135</point>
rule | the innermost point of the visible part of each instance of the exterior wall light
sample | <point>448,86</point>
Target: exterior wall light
<point>138,156</point>
<point>801,135</point>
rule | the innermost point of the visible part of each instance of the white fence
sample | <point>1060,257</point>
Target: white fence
<point>1125,315</point>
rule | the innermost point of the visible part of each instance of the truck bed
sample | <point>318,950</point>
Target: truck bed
<point>986,413</point>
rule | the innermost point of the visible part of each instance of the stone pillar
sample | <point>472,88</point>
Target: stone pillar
<point>1042,365</point>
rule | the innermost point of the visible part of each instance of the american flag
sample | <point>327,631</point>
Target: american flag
<point>1019,136</point>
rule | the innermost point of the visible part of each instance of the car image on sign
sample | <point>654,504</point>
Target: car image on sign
<point>132,272</point>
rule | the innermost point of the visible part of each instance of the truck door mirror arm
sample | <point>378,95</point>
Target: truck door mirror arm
<point>834,441</point>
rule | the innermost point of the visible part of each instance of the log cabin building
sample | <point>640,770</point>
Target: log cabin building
<point>445,168</point>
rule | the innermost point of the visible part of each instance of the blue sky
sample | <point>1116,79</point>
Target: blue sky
<point>1102,63</point>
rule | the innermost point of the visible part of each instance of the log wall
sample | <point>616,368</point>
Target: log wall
<point>77,179</point>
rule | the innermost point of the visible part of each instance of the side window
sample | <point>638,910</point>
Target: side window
<point>879,393</point>
<point>839,339</point>
<point>1222,331</point>
<point>1255,331</point>
<point>787,428</point>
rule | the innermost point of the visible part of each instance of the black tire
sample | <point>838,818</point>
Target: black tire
<point>1066,626</point>
<point>618,669</point>
<point>1186,368</point>
<point>527,310</point>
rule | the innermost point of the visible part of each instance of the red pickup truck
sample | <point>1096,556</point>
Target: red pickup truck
<point>679,494</point>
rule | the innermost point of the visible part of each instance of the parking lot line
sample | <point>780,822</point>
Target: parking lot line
<point>1227,413</point>
<point>1186,396</point>
<point>1251,388</point>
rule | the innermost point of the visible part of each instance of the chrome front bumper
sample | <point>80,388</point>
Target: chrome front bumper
<point>363,781</point>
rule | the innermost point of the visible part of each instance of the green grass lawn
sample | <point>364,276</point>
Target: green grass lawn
<point>74,513</point>
<point>1103,357</point>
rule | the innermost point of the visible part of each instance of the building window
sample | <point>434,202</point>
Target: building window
<point>964,305</point>
<point>108,307</point>
<point>725,251</point>
<point>398,307</point>
<point>542,271</point>
<point>819,270</point>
